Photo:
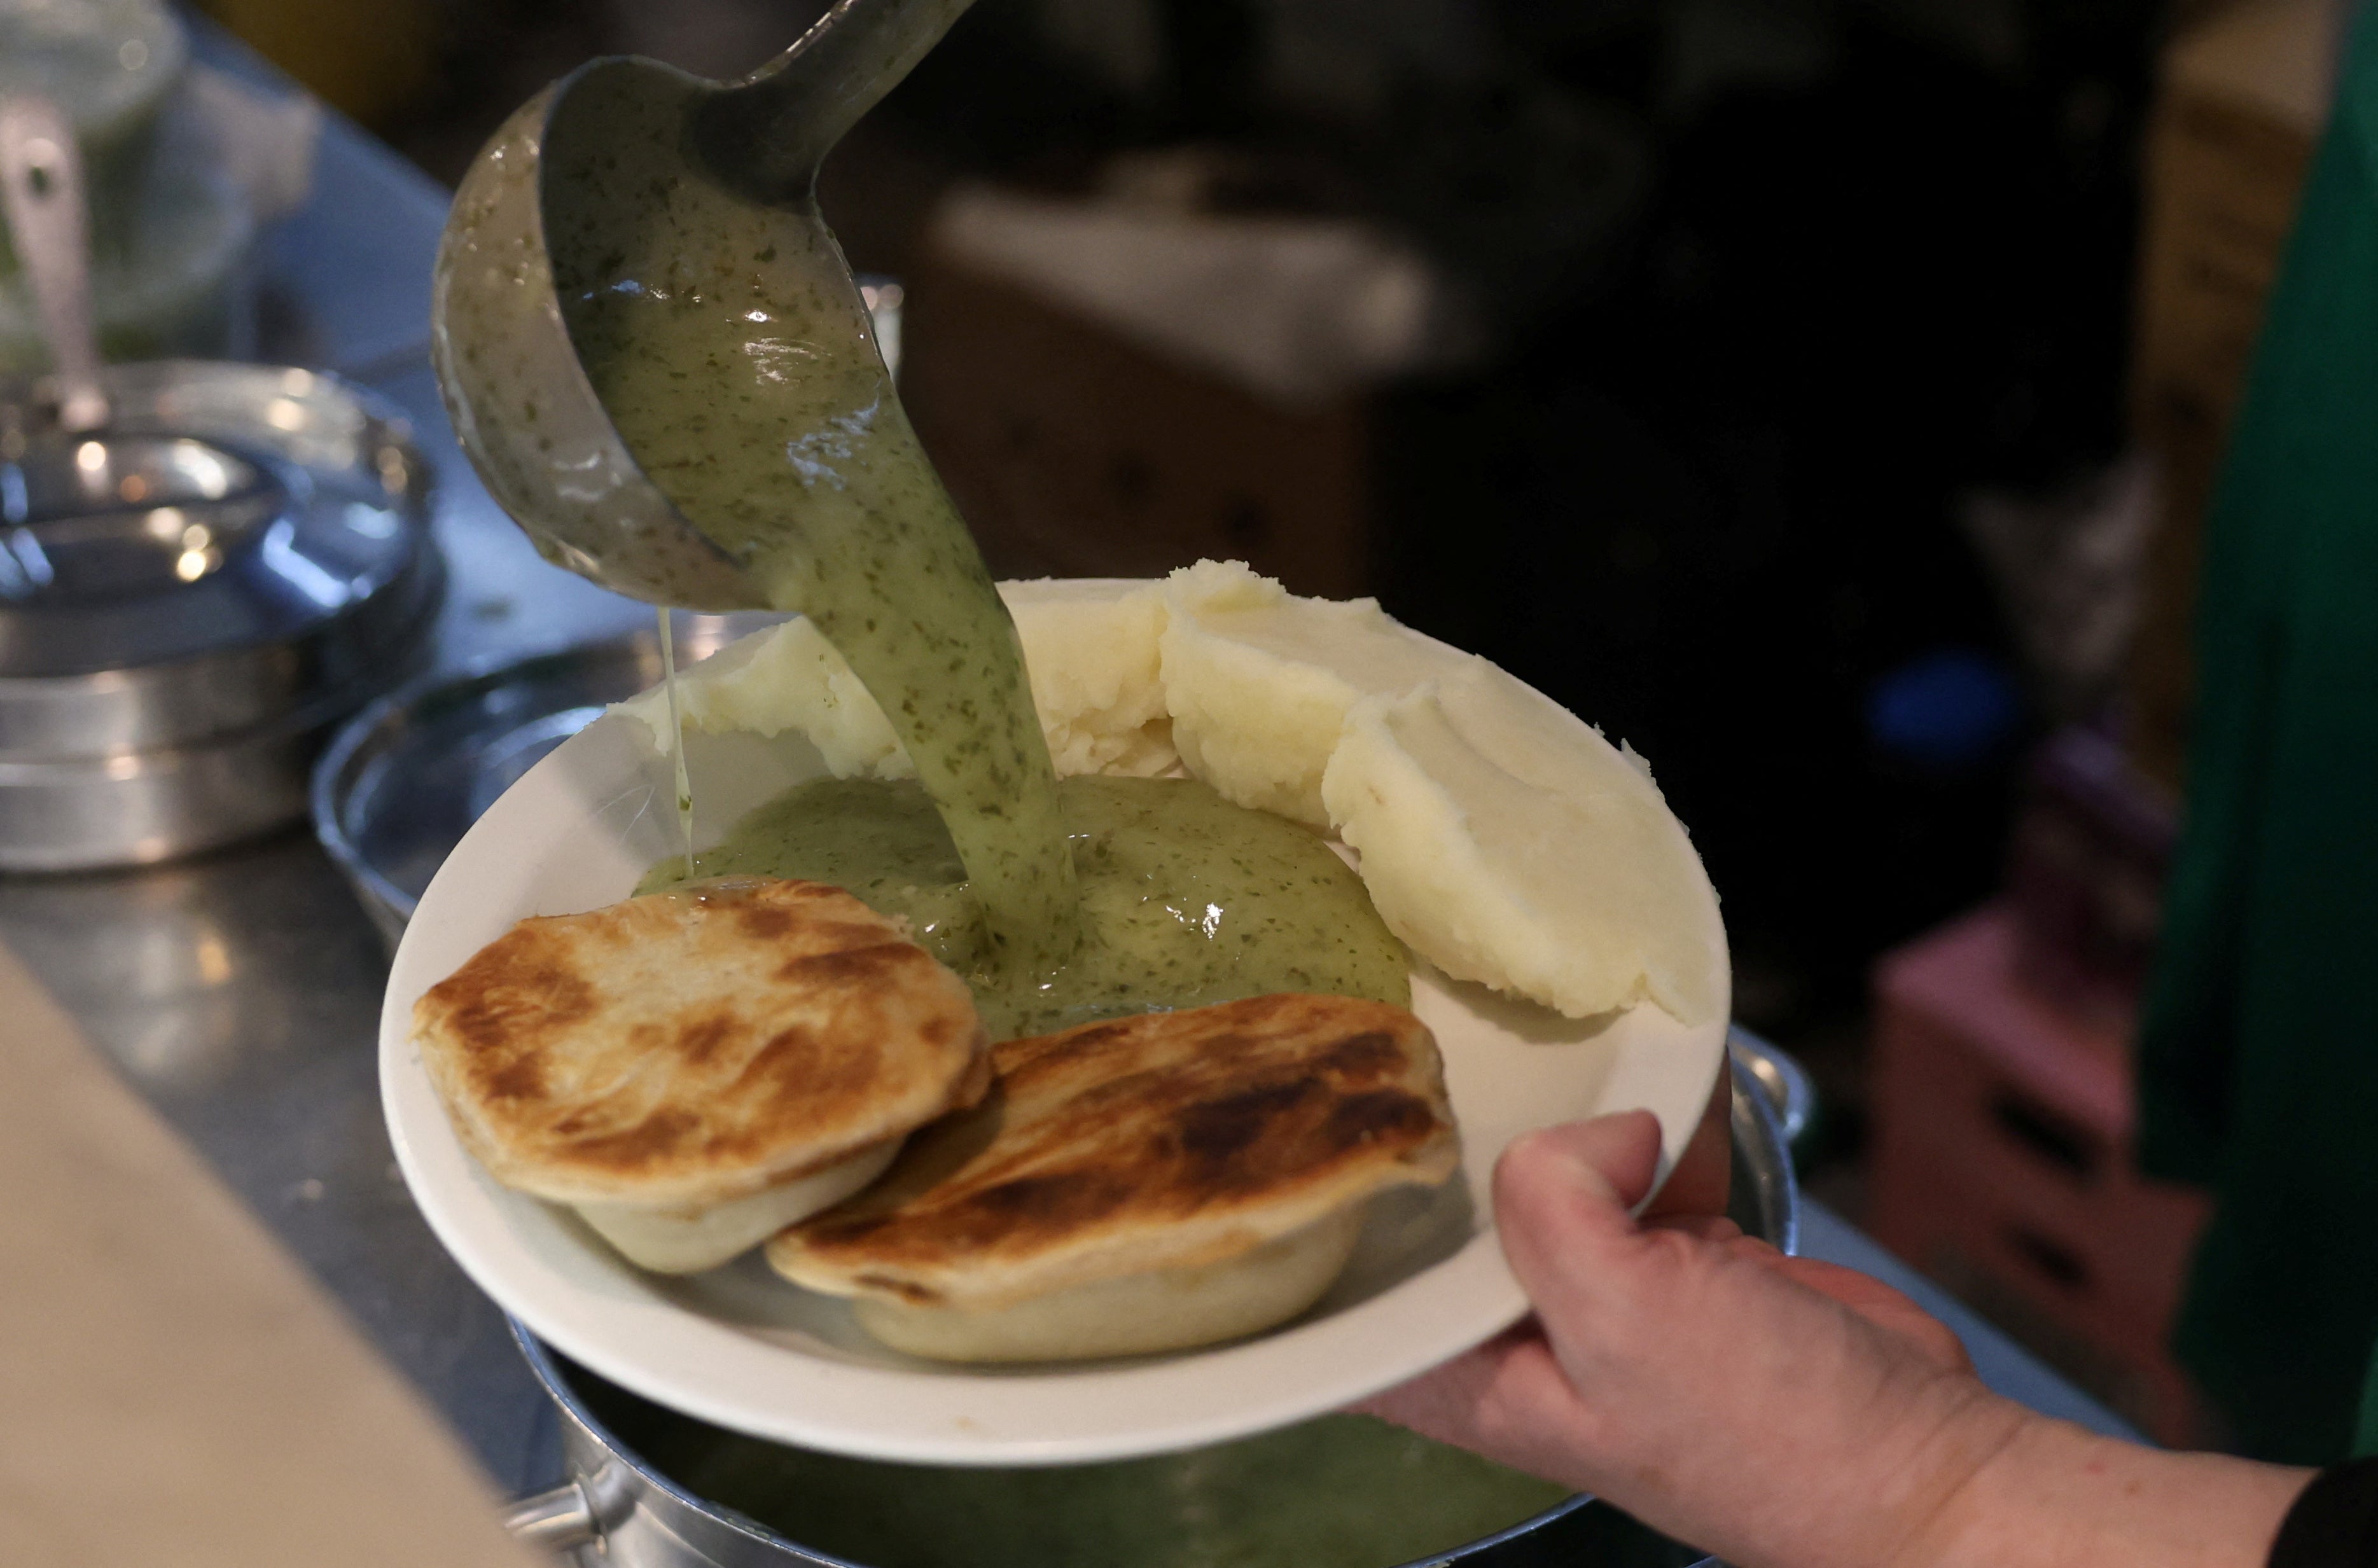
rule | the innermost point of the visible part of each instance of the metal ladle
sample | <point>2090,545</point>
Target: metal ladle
<point>42,198</point>
<point>572,182</point>
<point>89,514</point>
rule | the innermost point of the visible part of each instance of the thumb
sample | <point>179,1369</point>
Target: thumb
<point>1563,1196</point>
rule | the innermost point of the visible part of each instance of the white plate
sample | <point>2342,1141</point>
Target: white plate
<point>742,1348</point>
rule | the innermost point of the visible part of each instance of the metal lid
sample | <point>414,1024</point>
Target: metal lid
<point>405,779</point>
<point>255,533</point>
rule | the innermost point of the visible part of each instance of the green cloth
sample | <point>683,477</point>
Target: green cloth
<point>2259,1051</point>
<point>2365,1436</point>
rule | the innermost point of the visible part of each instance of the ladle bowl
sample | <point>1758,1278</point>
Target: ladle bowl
<point>628,160</point>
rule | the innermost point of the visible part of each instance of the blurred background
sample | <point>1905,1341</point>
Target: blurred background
<point>1820,395</point>
<point>1748,373</point>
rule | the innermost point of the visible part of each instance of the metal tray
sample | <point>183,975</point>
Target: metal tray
<point>405,779</point>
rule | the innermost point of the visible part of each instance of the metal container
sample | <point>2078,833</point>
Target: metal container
<point>629,1503</point>
<point>398,787</point>
<point>188,601</point>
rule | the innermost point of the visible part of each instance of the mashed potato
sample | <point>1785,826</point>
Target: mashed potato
<point>1090,646</point>
<point>1504,839</point>
<point>1259,681</point>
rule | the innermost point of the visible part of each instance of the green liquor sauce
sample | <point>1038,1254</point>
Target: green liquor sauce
<point>1344,1491</point>
<point>1185,898</point>
<point>738,363</point>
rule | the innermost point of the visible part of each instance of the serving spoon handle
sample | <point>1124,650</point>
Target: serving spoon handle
<point>42,197</point>
<point>767,134</point>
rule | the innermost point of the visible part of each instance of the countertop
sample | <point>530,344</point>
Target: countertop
<point>239,992</point>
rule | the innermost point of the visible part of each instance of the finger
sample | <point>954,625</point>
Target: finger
<point>1704,1174</point>
<point>1615,1157</point>
<point>1563,1197</point>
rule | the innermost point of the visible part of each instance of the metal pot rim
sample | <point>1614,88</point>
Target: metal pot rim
<point>299,428</point>
<point>320,592</point>
<point>541,1362</point>
<point>540,1359</point>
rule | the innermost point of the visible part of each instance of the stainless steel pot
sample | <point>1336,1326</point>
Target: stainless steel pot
<point>651,1489</point>
<point>189,598</point>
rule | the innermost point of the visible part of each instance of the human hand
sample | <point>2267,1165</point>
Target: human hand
<point>1772,1410</point>
<point>1694,1200</point>
<point>1786,1413</point>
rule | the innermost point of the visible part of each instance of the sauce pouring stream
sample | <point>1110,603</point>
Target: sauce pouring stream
<point>656,356</point>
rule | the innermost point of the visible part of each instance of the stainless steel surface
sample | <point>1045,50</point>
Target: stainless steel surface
<point>239,992</point>
<point>43,197</point>
<point>139,807</point>
<point>125,517</point>
<point>557,1519</point>
<point>401,783</point>
<point>1766,1197</point>
<point>653,1521</point>
<point>1785,1082</point>
<point>233,513</point>
<point>189,600</point>
<point>295,517</point>
<point>548,184</point>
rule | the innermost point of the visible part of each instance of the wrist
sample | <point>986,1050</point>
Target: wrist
<point>1975,1455</point>
<point>1995,1513</point>
<point>2054,1495</point>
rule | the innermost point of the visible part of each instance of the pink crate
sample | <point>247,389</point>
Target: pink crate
<point>2002,1165</point>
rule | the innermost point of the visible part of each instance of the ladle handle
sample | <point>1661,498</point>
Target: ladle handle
<point>769,132</point>
<point>42,197</point>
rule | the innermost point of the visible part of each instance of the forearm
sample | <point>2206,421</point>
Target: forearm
<point>1785,1414</point>
<point>2056,1496</point>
